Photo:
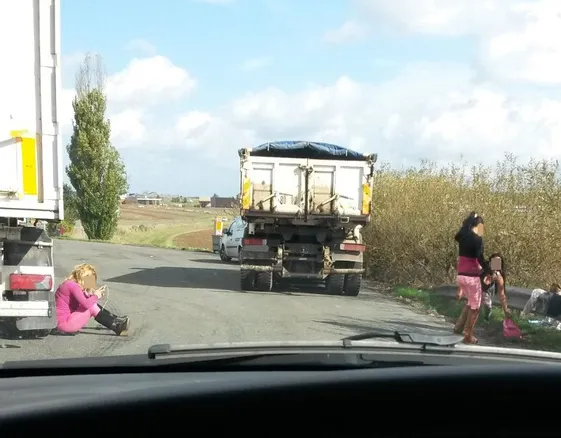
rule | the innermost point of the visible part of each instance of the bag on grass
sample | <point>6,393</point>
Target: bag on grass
<point>511,330</point>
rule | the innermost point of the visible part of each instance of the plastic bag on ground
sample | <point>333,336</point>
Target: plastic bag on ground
<point>511,330</point>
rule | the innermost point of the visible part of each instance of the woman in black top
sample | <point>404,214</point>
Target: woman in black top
<point>472,265</point>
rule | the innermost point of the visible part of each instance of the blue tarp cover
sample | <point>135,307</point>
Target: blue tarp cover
<point>306,149</point>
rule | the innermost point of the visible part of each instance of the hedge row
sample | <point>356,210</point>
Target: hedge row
<point>417,212</point>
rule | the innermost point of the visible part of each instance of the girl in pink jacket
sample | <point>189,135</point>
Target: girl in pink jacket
<point>75,306</point>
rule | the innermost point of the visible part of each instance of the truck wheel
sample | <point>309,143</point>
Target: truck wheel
<point>335,284</point>
<point>352,284</point>
<point>223,255</point>
<point>277,278</point>
<point>247,280</point>
<point>264,281</point>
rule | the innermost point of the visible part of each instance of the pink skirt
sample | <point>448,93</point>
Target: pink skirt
<point>471,289</point>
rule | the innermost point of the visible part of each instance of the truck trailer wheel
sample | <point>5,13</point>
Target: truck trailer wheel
<point>264,281</point>
<point>247,280</point>
<point>352,284</point>
<point>335,284</point>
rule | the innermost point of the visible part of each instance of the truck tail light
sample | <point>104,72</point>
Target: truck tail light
<point>255,241</point>
<point>358,247</point>
<point>30,282</point>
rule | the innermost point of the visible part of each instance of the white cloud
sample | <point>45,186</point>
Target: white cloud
<point>348,32</point>
<point>143,85</point>
<point>148,81</point>
<point>140,45</point>
<point>128,128</point>
<point>427,110</point>
<point>520,40</point>
<point>257,63</point>
<point>436,17</point>
<point>529,48</point>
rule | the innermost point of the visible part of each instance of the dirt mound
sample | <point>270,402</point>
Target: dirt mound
<point>197,239</point>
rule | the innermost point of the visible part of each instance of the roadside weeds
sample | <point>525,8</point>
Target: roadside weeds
<point>190,249</point>
<point>491,332</point>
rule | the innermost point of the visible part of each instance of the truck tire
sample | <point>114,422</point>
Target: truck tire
<point>264,281</point>
<point>352,284</point>
<point>223,255</point>
<point>335,284</point>
<point>247,280</point>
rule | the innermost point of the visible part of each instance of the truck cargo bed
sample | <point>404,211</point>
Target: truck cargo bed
<point>31,167</point>
<point>309,188</point>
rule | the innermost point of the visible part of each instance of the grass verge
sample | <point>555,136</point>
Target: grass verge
<point>534,337</point>
<point>145,245</point>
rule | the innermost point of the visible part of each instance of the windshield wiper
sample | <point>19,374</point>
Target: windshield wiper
<point>158,350</point>
<point>235,355</point>
<point>407,338</point>
<point>303,358</point>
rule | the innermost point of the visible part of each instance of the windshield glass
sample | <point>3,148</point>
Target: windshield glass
<point>201,172</point>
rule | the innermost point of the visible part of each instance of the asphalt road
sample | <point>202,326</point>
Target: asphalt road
<point>193,298</point>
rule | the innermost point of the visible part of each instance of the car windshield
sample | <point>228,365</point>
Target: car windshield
<point>203,172</point>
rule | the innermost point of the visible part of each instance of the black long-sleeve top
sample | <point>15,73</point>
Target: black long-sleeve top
<point>470,254</point>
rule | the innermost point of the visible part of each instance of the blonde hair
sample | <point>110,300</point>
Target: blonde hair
<point>80,272</point>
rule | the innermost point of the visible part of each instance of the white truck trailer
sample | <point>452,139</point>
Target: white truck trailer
<point>305,204</point>
<point>31,167</point>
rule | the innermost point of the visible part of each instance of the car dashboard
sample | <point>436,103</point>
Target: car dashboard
<point>416,400</point>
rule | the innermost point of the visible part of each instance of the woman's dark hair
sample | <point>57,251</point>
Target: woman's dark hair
<point>472,220</point>
<point>503,266</point>
<point>469,222</point>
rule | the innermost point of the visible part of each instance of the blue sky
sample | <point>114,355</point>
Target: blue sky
<point>406,81</point>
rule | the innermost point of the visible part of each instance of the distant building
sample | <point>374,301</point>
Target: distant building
<point>219,202</point>
<point>204,201</point>
<point>149,200</point>
<point>143,199</point>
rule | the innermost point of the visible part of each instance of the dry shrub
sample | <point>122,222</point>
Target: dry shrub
<point>418,211</point>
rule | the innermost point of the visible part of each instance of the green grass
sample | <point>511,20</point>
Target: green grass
<point>534,337</point>
<point>160,236</point>
<point>149,245</point>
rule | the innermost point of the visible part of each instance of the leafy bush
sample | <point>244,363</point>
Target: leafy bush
<point>418,211</point>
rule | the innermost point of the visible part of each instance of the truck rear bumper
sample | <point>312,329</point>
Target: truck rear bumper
<point>22,309</point>
<point>285,273</point>
<point>252,215</point>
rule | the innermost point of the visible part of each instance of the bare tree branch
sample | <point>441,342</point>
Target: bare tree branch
<point>91,75</point>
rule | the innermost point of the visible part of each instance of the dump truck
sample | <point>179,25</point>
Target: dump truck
<point>305,204</point>
<point>31,167</point>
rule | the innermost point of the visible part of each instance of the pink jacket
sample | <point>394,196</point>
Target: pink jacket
<point>69,298</point>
